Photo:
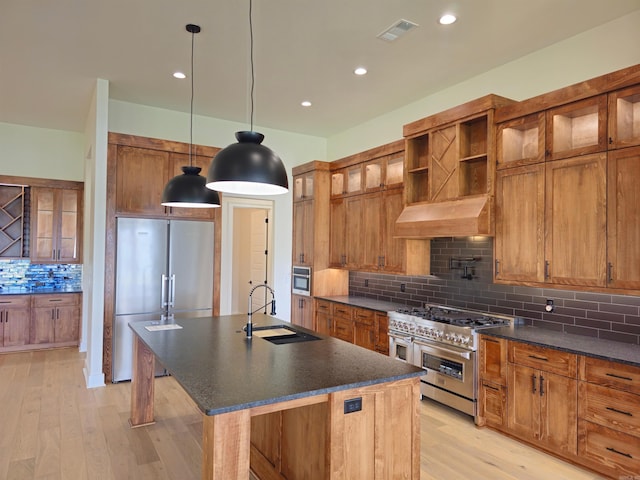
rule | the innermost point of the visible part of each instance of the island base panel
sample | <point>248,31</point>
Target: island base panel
<point>142,382</point>
<point>226,446</point>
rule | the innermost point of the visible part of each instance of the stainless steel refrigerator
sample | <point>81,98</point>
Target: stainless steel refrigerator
<point>164,272</point>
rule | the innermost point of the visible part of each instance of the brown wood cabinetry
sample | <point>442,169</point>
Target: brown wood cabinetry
<point>364,329</point>
<point>492,388</point>
<point>343,322</point>
<point>141,175</point>
<point>381,331</point>
<point>302,311</point>
<point>14,320</point>
<point>521,141</point>
<point>577,128</point>
<point>624,117</point>
<point>583,409</point>
<point>519,242</point>
<point>576,221</point>
<point>623,220</point>
<point>303,233</point>
<point>323,323</point>
<point>542,397</point>
<point>55,319</point>
<point>609,417</point>
<point>361,326</point>
<point>12,220</point>
<point>338,225</point>
<point>56,225</point>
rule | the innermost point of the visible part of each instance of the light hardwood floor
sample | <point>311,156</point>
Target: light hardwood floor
<point>52,427</point>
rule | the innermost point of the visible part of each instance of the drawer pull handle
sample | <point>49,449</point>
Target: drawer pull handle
<point>491,388</point>
<point>620,411</point>
<point>619,452</point>
<point>535,357</point>
<point>618,376</point>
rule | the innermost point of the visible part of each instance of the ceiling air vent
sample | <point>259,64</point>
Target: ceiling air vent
<point>396,30</point>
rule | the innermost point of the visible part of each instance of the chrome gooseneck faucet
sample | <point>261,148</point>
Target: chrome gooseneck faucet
<point>249,327</point>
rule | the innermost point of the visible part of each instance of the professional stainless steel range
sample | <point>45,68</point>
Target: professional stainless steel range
<point>443,341</point>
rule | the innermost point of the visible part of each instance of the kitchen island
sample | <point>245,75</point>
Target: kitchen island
<point>321,409</point>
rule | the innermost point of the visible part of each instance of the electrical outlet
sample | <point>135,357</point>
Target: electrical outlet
<point>366,282</point>
<point>549,306</point>
<point>403,287</point>
<point>352,405</point>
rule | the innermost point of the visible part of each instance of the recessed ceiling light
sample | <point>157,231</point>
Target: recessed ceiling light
<point>360,71</point>
<point>179,75</point>
<point>306,103</point>
<point>447,19</point>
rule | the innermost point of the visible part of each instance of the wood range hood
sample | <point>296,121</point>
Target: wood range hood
<point>452,218</point>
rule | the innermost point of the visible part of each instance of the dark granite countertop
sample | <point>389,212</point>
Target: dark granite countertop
<point>364,302</point>
<point>37,290</point>
<point>581,345</point>
<point>223,371</point>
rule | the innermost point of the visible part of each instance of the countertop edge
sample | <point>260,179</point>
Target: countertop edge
<point>620,352</point>
<point>362,302</point>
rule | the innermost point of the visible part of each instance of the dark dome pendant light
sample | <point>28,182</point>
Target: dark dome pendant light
<point>247,167</point>
<point>189,189</point>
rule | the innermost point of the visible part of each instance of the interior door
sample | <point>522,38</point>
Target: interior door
<point>258,257</point>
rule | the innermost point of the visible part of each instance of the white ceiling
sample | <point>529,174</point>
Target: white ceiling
<point>51,52</point>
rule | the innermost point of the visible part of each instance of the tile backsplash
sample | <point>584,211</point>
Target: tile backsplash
<point>602,315</point>
<point>24,274</point>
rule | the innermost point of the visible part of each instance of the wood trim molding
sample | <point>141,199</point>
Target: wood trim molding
<point>160,144</point>
<point>376,152</point>
<point>41,182</point>
<point>579,91</point>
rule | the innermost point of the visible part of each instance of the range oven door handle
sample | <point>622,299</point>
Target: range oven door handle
<point>438,348</point>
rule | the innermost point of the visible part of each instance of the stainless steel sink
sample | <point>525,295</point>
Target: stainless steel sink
<point>282,334</point>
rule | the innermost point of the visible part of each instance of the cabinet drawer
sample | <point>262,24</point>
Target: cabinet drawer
<point>610,408</point>
<point>549,360</point>
<point>342,311</point>
<point>14,301</point>
<point>610,374</point>
<point>362,315</point>
<point>343,329</point>
<point>323,306</point>
<point>55,300</point>
<point>617,451</point>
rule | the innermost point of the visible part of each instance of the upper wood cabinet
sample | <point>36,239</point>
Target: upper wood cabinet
<point>624,117</point>
<point>347,181</point>
<point>576,221</point>
<point>452,154</point>
<point>303,186</point>
<point>12,200</point>
<point>56,225</point>
<point>141,175</point>
<point>338,225</point>
<point>578,128</point>
<point>383,173</point>
<point>520,210</point>
<point>303,232</point>
<point>521,141</point>
<point>623,219</point>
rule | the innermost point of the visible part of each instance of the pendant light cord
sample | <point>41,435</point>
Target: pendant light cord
<point>253,80</point>
<point>193,36</point>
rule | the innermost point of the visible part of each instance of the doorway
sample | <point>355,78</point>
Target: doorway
<point>247,259</point>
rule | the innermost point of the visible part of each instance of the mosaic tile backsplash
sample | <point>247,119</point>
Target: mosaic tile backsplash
<point>601,315</point>
<point>23,274</point>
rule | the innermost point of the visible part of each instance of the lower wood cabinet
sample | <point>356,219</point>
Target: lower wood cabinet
<point>29,322</point>
<point>583,409</point>
<point>542,407</point>
<point>14,320</point>
<point>302,311</point>
<point>609,417</point>
<point>360,326</point>
<point>55,319</point>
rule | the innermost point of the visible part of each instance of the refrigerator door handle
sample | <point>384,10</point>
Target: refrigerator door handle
<point>172,286</point>
<point>163,292</point>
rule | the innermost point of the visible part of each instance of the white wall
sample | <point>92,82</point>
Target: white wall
<point>604,49</point>
<point>41,153</point>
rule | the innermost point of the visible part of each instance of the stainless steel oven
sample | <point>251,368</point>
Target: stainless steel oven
<point>301,280</point>
<point>451,374</point>
<point>401,347</point>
